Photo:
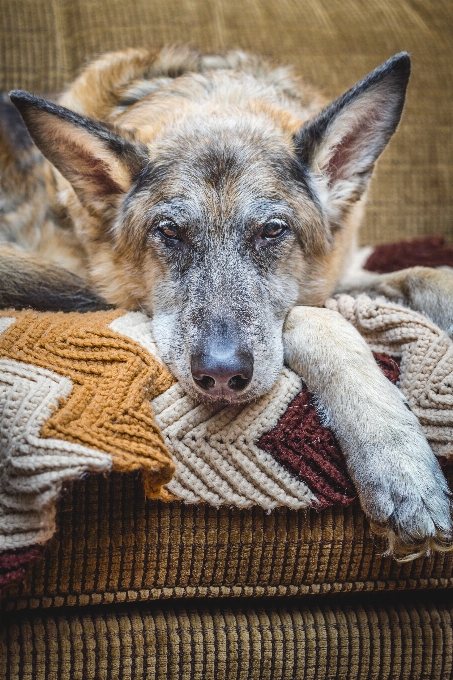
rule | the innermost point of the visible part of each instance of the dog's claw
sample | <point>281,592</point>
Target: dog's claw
<point>410,504</point>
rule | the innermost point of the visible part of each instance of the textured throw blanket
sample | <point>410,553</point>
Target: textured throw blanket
<point>86,393</point>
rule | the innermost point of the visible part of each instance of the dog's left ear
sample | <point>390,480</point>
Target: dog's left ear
<point>341,145</point>
<point>99,163</point>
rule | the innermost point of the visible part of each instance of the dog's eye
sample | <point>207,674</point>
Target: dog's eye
<point>170,230</point>
<point>273,229</point>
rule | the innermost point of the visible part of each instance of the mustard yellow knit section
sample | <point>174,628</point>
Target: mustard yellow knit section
<point>113,379</point>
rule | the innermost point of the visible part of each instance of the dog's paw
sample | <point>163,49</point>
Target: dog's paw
<point>397,476</point>
<point>406,498</point>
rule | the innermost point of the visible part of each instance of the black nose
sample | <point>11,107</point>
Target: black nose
<point>222,368</point>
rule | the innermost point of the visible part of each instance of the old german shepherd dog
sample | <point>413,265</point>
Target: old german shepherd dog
<point>223,197</point>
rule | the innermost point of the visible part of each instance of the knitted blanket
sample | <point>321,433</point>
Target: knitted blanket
<point>86,393</point>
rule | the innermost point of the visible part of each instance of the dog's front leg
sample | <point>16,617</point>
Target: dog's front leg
<point>398,479</point>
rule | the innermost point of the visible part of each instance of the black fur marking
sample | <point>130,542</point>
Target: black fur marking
<point>149,178</point>
<point>299,172</point>
<point>26,284</point>
<point>12,126</point>
<point>217,165</point>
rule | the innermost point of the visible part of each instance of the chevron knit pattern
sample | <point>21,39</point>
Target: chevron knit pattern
<point>74,398</point>
<point>87,393</point>
<point>217,459</point>
<point>426,367</point>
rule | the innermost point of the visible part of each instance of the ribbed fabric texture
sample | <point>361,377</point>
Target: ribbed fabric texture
<point>217,460</point>
<point>43,44</point>
<point>114,546</point>
<point>309,450</point>
<point>111,383</point>
<point>394,639</point>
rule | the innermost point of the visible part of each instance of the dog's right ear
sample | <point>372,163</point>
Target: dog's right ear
<point>99,163</point>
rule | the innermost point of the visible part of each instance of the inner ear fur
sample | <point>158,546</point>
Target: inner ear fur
<point>342,144</point>
<point>96,160</point>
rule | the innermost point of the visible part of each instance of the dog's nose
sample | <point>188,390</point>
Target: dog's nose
<point>220,370</point>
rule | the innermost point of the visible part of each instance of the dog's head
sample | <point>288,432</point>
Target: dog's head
<point>225,218</point>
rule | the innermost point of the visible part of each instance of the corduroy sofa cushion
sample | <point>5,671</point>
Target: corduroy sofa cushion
<point>114,546</point>
<point>332,43</point>
<point>369,639</point>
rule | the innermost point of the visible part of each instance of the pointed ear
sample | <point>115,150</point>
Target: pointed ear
<point>341,145</point>
<point>99,163</point>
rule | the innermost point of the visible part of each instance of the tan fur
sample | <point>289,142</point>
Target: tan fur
<point>99,93</point>
<point>106,83</point>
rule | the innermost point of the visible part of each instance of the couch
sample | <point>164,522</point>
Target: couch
<point>132,588</point>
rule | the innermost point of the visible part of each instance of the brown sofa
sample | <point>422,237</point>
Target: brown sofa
<point>242,594</point>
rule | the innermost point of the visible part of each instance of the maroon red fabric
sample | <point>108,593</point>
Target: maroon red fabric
<point>307,449</point>
<point>390,366</point>
<point>428,252</point>
<point>13,564</point>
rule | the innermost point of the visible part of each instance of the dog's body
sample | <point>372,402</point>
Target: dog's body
<point>216,194</point>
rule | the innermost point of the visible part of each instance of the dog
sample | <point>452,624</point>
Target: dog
<point>223,196</point>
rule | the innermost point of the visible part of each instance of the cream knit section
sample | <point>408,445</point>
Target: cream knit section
<point>5,323</point>
<point>217,459</point>
<point>426,352</point>
<point>32,469</point>
<point>137,327</point>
